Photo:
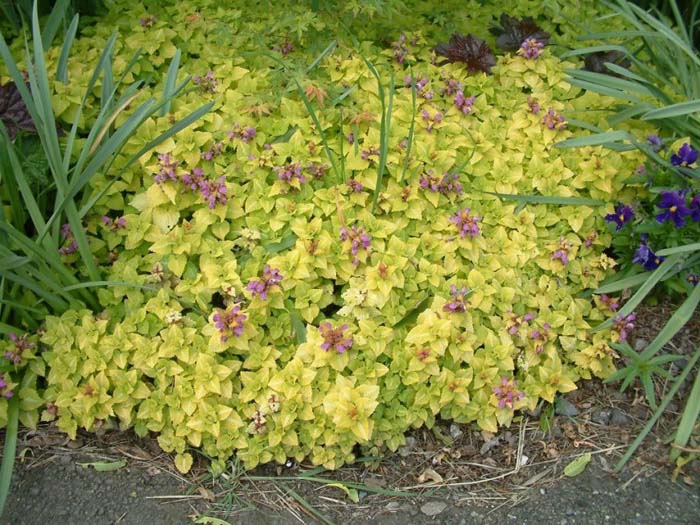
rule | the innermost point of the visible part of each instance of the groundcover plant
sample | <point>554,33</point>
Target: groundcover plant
<point>343,248</point>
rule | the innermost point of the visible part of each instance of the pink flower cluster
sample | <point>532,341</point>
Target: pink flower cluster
<point>6,392</point>
<point>541,337</point>
<point>245,135</point>
<point>230,322</point>
<point>114,225</point>
<point>467,224</point>
<point>464,104</point>
<point>207,83</point>
<point>166,168</point>
<point>70,244</point>
<point>507,394</point>
<point>458,303</point>
<point>554,120</point>
<point>531,48</point>
<point>421,86</point>
<point>271,277</point>
<point>452,87</point>
<point>516,321</point>
<point>358,240</point>
<point>401,48</point>
<point>335,338</point>
<point>291,172</point>
<point>214,192</point>
<point>448,183</point>
<point>623,324</point>
<point>355,186</point>
<point>429,120</point>
<point>21,344</point>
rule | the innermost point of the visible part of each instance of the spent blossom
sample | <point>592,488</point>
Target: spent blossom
<point>610,302</point>
<point>401,49</point>
<point>451,88</point>
<point>431,120</point>
<point>507,393</point>
<point>230,322</point>
<point>271,277</point>
<point>206,83</point>
<point>335,338</point>
<point>685,156</point>
<point>531,48</point>
<point>467,224</point>
<point>355,186</point>
<point>213,152</point>
<point>458,304</point>
<point>534,105</point>
<point>516,321</point>
<point>244,134</point>
<point>623,214</point>
<point>371,152</point>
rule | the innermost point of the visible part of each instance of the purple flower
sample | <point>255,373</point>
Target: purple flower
<point>351,138</point>
<point>207,83</point>
<point>623,214</point>
<point>358,240</point>
<point>317,171</point>
<point>448,183</point>
<point>115,225</point>
<point>213,152</point>
<point>541,337</point>
<point>214,192</point>
<point>693,278</point>
<point>562,253</point>
<point>230,322</point>
<point>464,104</point>
<point>355,186</point>
<point>674,204</point>
<point>20,345</point>
<point>451,88</point>
<point>335,338</point>
<point>467,224</point>
<point>646,257</point>
<point>655,142</point>
<point>290,173</point>
<point>271,277</point>
<point>610,302</point>
<point>458,304</point>
<point>694,208</point>
<point>533,105</point>
<point>554,120</point>
<point>623,324</point>
<point>193,179</point>
<point>686,156</point>
<point>166,168</point>
<point>507,394</point>
<point>71,246</point>
<point>531,48</point>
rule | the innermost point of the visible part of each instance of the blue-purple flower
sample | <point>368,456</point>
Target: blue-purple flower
<point>673,203</point>
<point>686,156</point>
<point>623,214</point>
<point>358,238</point>
<point>646,257</point>
<point>694,208</point>
<point>623,325</point>
<point>531,48</point>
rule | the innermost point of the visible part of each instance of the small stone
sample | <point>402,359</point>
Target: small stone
<point>619,418</point>
<point>565,408</point>
<point>640,344</point>
<point>433,508</point>
<point>455,431</point>
<point>393,506</point>
<point>601,416</point>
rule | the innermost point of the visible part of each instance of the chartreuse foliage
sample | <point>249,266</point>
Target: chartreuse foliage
<point>427,292</point>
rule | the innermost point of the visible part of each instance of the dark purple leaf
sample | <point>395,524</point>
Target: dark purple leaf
<point>472,51</point>
<point>13,111</point>
<point>513,32</point>
<point>595,62</point>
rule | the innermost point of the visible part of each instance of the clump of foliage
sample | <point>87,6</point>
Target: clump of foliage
<point>330,258</point>
<point>470,50</point>
<point>513,32</point>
